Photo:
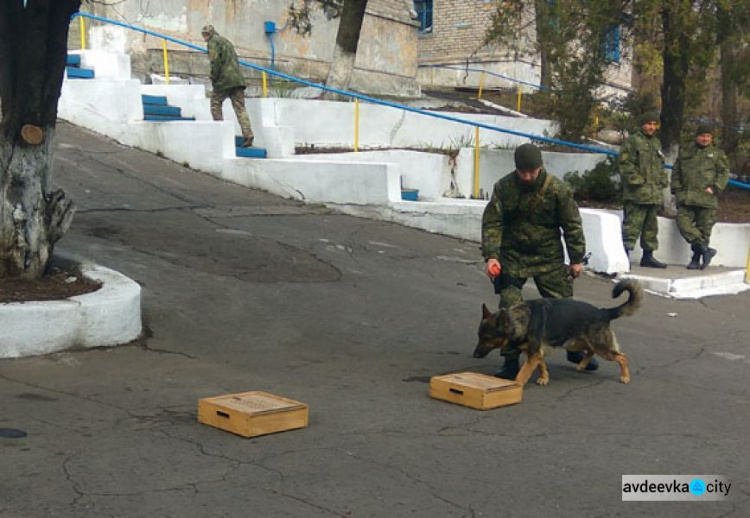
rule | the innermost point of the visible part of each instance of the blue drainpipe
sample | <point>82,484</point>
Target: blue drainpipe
<point>270,30</point>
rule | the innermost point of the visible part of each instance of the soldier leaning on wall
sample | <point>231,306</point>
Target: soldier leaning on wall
<point>700,173</point>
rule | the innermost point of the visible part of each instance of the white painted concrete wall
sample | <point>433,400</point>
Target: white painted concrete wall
<point>325,123</point>
<point>428,172</point>
<point>357,183</point>
<point>496,163</point>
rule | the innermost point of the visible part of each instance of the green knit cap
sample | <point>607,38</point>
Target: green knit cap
<point>652,116</point>
<point>704,128</point>
<point>528,157</point>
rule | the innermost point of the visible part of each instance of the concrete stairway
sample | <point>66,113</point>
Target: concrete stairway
<point>155,108</point>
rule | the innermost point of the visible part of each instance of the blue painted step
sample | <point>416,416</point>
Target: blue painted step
<point>410,194</point>
<point>163,118</point>
<point>156,100</point>
<point>247,152</point>
<point>154,109</point>
<point>250,152</point>
<point>73,60</point>
<point>79,73</point>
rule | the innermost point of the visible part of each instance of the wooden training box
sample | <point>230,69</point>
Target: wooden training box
<point>475,390</point>
<point>250,414</point>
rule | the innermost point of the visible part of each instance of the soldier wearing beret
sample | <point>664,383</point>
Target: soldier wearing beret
<point>522,225</point>
<point>227,81</point>
<point>700,172</point>
<point>641,165</point>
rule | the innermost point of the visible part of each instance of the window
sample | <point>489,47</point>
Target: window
<point>424,11</point>
<point>611,44</point>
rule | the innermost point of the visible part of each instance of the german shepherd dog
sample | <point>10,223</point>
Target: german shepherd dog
<point>539,325</point>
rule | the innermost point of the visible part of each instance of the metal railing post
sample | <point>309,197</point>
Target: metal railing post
<point>476,163</point>
<point>265,84</point>
<point>166,61</point>
<point>518,103</point>
<point>481,85</point>
<point>82,26</point>
<point>356,125</point>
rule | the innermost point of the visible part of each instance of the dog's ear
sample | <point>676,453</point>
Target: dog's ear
<point>486,313</point>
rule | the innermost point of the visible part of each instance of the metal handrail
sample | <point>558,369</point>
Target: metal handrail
<point>354,95</point>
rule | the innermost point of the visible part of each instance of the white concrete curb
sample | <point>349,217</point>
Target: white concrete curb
<point>726,283</point>
<point>109,316</point>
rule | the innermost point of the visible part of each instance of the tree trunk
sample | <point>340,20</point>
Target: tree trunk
<point>676,67</point>
<point>347,40</point>
<point>542,23</point>
<point>33,50</point>
<point>729,92</point>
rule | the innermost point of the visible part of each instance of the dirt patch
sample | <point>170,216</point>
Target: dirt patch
<point>59,284</point>
<point>734,206</point>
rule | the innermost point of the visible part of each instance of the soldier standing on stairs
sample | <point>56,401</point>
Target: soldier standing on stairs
<point>700,172</point>
<point>227,81</point>
<point>641,165</point>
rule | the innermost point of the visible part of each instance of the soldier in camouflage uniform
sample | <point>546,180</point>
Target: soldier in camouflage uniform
<point>521,230</point>
<point>700,172</point>
<point>227,81</point>
<point>641,164</point>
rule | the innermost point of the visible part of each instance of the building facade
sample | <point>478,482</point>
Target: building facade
<point>386,59</point>
<point>451,34</point>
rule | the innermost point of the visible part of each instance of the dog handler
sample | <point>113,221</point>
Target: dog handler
<point>521,227</point>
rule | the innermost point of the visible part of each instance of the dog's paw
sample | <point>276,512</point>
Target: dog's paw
<point>625,379</point>
<point>543,381</point>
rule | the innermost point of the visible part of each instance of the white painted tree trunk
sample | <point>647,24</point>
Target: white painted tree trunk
<point>32,219</point>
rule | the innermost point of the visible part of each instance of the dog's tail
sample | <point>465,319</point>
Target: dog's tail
<point>635,298</point>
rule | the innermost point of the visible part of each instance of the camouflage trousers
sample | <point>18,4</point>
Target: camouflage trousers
<point>696,223</point>
<point>556,284</point>
<point>640,220</point>
<point>237,96</point>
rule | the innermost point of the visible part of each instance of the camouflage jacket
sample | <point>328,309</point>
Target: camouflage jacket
<point>695,169</point>
<point>641,165</point>
<point>225,68</point>
<point>521,225</point>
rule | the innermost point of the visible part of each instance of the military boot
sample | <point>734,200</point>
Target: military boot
<point>695,261</point>
<point>708,254</point>
<point>649,261</point>
<point>509,370</point>
<point>577,357</point>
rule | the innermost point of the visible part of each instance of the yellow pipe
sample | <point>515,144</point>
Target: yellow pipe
<point>481,85</point>
<point>356,125</point>
<point>82,25</point>
<point>166,61</point>
<point>747,267</point>
<point>265,84</point>
<point>476,162</point>
<point>518,104</point>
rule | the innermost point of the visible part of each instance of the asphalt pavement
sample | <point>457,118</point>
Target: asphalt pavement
<point>246,291</point>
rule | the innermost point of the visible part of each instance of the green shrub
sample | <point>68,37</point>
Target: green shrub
<point>600,184</point>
